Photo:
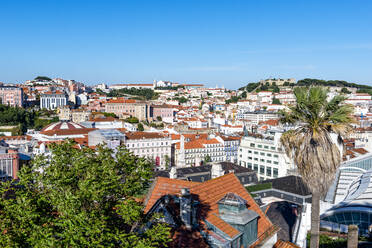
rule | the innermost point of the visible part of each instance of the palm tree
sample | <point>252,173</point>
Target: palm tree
<point>312,144</point>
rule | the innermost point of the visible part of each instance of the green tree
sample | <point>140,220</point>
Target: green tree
<point>167,162</point>
<point>286,83</point>
<point>80,198</point>
<point>311,147</point>
<point>207,159</point>
<point>132,120</point>
<point>276,101</point>
<point>182,99</point>
<point>158,118</point>
<point>244,95</point>
<point>140,127</point>
<point>276,89</point>
<point>42,78</point>
<point>345,91</point>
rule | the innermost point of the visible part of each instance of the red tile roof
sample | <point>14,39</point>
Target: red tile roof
<point>209,193</point>
<point>284,244</point>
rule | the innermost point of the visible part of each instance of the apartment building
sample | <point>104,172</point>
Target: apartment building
<point>121,107</point>
<point>231,146</point>
<point>156,146</point>
<point>265,155</point>
<point>9,163</point>
<point>74,115</point>
<point>165,112</point>
<point>192,153</point>
<point>257,117</point>
<point>11,95</point>
<point>53,100</point>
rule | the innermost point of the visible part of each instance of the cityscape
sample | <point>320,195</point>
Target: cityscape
<point>158,159</point>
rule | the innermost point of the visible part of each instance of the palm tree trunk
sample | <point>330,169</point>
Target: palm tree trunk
<point>315,220</point>
<point>352,236</point>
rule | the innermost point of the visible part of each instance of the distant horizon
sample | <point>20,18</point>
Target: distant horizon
<point>221,42</point>
<point>205,84</point>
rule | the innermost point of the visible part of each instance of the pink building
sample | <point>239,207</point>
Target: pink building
<point>163,111</point>
<point>11,95</point>
<point>9,164</point>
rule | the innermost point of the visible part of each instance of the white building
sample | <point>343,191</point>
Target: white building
<point>265,156</point>
<point>154,146</point>
<point>192,153</point>
<point>53,100</point>
<point>257,117</point>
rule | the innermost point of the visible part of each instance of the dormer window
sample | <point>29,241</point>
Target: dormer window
<point>234,210</point>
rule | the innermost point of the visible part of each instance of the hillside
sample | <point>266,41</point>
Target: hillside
<point>311,81</point>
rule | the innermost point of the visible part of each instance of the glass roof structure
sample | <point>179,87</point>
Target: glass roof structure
<point>356,207</point>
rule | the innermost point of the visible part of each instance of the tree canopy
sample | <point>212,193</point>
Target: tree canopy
<point>79,198</point>
<point>42,78</point>
<point>313,143</point>
<point>147,94</point>
<point>25,118</point>
<point>310,145</point>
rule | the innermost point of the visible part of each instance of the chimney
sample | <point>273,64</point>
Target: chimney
<point>185,207</point>
<point>217,170</point>
<point>173,173</point>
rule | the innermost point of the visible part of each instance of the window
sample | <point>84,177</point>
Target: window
<point>255,167</point>
<point>262,169</point>
<point>266,147</point>
<point>275,172</point>
<point>255,159</point>
<point>275,162</point>
<point>249,151</point>
<point>268,161</point>
<point>268,154</point>
<point>262,154</point>
<point>250,158</point>
<point>276,156</point>
<point>262,160</point>
<point>252,145</point>
<point>259,146</point>
<point>255,152</point>
<point>273,148</point>
<point>268,171</point>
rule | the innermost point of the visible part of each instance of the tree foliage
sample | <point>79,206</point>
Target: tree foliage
<point>335,83</point>
<point>132,119</point>
<point>79,198</point>
<point>310,145</point>
<point>25,118</point>
<point>148,94</point>
<point>140,127</point>
<point>42,78</point>
<point>181,99</point>
<point>276,101</point>
<point>207,159</point>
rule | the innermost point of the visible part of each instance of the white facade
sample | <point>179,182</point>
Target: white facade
<point>257,117</point>
<point>53,100</point>
<point>265,156</point>
<point>156,148</point>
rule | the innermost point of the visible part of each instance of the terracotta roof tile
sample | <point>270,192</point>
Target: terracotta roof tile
<point>284,244</point>
<point>209,193</point>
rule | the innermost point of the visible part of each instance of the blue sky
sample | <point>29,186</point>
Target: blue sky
<point>215,42</point>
